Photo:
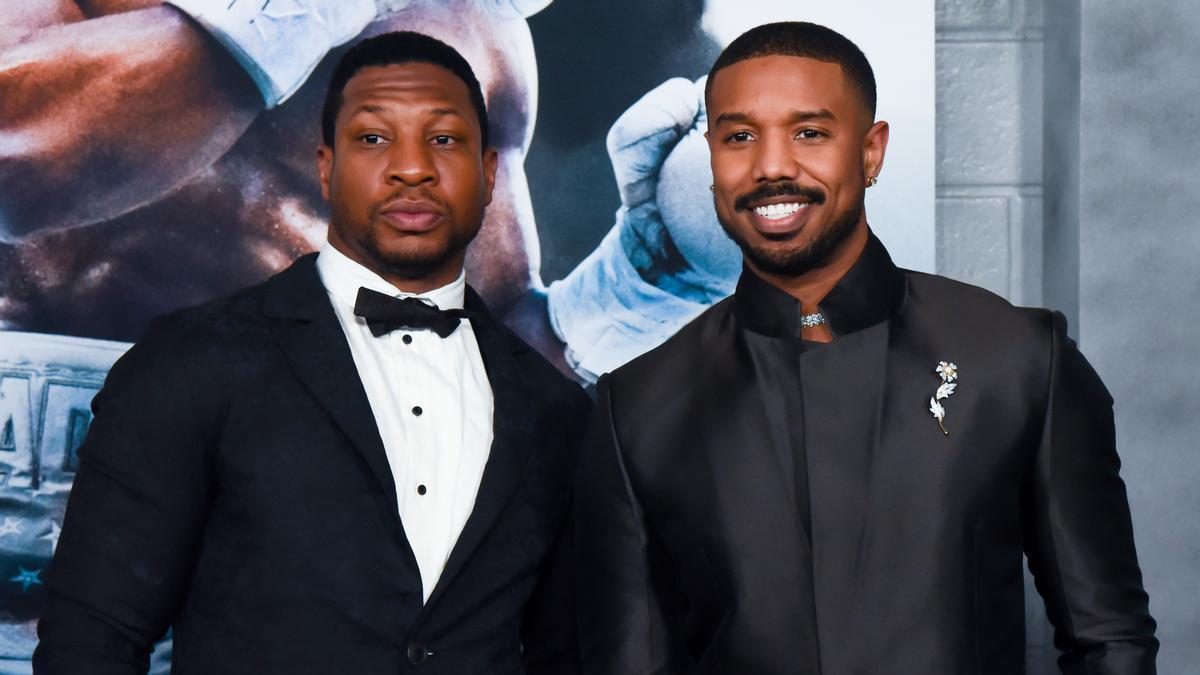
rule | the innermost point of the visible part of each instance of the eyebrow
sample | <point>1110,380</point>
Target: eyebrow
<point>796,116</point>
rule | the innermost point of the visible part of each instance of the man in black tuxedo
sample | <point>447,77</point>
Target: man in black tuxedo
<point>352,467</point>
<point>837,469</point>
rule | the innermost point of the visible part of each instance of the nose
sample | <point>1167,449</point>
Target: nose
<point>774,159</point>
<point>410,162</point>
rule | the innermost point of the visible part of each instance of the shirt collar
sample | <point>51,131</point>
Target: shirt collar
<point>343,277</point>
<point>869,293</point>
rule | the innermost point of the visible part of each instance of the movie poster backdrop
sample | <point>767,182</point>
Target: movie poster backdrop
<point>140,172</point>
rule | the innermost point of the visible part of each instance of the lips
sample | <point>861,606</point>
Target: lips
<point>779,209</point>
<point>780,218</point>
<point>411,217</point>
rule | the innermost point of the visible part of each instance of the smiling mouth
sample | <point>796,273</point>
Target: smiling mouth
<point>779,211</point>
<point>784,218</point>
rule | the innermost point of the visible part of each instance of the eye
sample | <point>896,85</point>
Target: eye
<point>809,134</point>
<point>444,139</point>
<point>372,139</point>
<point>739,137</point>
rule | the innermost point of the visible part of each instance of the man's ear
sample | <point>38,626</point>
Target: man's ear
<point>324,168</point>
<point>490,160</point>
<point>874,148</point>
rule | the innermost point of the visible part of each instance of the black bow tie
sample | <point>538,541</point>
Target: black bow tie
<point>385,314</point>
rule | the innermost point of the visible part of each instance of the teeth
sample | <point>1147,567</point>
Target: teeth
<point>777,211</point>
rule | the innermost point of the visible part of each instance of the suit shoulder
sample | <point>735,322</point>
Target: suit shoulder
<point>957,305</point>
<point>678,353</point>
<point>209,329</point>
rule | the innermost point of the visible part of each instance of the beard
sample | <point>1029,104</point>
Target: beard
<point>432,253</point>
<point>413,263</point>
<point>783,256</point>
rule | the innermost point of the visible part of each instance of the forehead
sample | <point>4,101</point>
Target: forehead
<point>776,84</point>
<point>499,50</point>
<point>416,85</point>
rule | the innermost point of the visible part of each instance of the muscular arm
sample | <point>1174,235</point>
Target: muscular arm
<point>100,116</point>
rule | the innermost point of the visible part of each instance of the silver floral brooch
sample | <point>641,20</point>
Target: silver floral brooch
<point>949,373</point>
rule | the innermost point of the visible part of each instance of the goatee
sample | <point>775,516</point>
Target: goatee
<point>784,257</point>
<point>415,264</point>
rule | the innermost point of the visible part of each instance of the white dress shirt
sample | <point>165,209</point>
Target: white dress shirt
<point>432,402</point>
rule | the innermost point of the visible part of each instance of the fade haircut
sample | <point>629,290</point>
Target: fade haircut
<point>398,48</point>
<point>807,40</point>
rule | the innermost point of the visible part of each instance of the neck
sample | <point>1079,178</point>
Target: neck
<point>811,287</point>
<point>444,275</point>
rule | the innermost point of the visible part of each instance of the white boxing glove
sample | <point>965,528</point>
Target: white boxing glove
<point>280,42</point>
<point>661,162</point>
<point>643,135</point>
<point>660,265</point>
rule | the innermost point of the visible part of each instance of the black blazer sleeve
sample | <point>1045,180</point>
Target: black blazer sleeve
<point>1078,532</point>
<point>622,626</point>
<point>134,515</point>
<point>550,635</point>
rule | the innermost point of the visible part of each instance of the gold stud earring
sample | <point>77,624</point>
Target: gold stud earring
<point>872,181</point>
<point>711,189</point>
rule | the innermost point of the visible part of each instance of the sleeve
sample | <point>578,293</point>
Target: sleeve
<point>623,629</point>
<point>1078,530</point>
<point>550,633</point>
<point>134,516</point>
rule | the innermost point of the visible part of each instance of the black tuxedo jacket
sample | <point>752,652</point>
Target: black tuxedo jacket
<point>234,487</point>
<point>695,558</point>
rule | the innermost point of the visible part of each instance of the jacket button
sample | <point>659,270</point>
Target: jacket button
<point>418,653</point>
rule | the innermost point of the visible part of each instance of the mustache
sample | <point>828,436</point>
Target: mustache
<point>412,194</point>
<point>778,189</point>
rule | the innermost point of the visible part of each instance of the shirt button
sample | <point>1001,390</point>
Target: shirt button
<point>421,490</point>
<point>407,339</point>
<point>417,410</point>
<point>418,653</point>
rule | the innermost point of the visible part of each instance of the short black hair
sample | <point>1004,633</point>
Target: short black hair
<point>808,40</point>
<point>392,49</point>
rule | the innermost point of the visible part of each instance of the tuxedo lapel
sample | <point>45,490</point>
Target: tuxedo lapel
<point>513,439</point>
<point>315,345</point>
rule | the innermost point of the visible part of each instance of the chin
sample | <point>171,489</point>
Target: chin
<point>410,261</point>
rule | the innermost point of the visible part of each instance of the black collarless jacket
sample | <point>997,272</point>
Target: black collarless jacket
<point>234,487</point>
<point>693,556</point>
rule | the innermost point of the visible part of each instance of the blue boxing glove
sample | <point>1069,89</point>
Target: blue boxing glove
<point>666,259</point>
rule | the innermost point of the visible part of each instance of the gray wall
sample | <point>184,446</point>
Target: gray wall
<point>1139,283</point>
<point>1079,114</point>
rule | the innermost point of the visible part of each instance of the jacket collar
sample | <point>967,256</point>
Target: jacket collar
<point>869,293</point>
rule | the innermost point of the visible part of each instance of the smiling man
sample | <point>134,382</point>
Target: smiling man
<point>352,467</point>
<point>837,469</point>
